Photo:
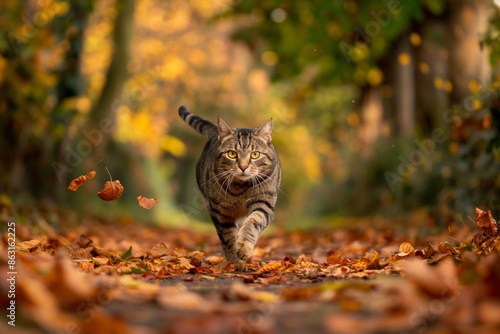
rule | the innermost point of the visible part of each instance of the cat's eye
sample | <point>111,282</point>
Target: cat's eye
<point>232,154</point>
<point>255,155</point>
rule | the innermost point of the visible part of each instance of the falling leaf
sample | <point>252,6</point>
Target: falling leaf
<point>80,181</point>
<point>147,203</point>
<point>112,190</point>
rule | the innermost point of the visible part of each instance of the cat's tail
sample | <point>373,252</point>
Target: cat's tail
<point>201,125</point>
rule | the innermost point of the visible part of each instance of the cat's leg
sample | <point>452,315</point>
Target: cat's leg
<point>255,222</point>
<point>228,233</point>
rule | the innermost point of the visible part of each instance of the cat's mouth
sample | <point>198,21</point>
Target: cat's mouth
<point>244,175</point>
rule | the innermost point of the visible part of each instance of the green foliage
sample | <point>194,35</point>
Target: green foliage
<point>336,36</point>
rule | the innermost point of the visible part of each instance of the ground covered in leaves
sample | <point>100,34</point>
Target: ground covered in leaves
<point>374,278</point>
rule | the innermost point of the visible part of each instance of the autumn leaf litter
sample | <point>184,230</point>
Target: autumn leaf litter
<point>357,282</point>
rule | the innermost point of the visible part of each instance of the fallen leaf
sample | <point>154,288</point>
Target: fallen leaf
<point>147,203</point>
<point>406,248</point>
<point>127,254</point>
<point>486,223</point>
<point>214,259</point>
<point>333,257</point>
<point>76,251</point>
<point>86,266</point>
<point>375,261</point>
<point>29,246</point>
<point>103,252</point>
<point>271,266</point>
<point>439,281</point>
<point>80,181</point>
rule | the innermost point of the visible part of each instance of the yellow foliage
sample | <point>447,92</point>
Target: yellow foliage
<point>448,86</point>
<point>438,82</point>
<point>269,58</point>
<point>375,76</point>
<point>424,68</point>
<point>404,58</point>
<point>3,64</point>
<point>474,85</point>
<point>173,145</point>
<point>415,39</point>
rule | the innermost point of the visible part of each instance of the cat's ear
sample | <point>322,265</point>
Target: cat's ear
<point>265,130</point>
<point>224,129</point>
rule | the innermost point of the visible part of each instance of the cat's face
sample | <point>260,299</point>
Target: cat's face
<point>244,154</point>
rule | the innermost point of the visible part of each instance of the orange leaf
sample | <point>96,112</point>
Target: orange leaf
<point>112,190</point>
<point>333,257</point>
<point>486,223</point>
<point>147,203</point>
<point>80,181</point>
<point>375,261</point>
<point>271,266</point>
<point>406,248</point>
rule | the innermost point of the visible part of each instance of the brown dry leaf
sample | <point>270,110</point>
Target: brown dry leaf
<point>147,203</point>
<point>197,254</point>
<point>214,259</point>
<point>406,248</point>
<point>172,298</point>
<point>437,281</point>
<point>29,246</point>
<point>112,190</point>
<point>103,252</point>
<point>86,266</point>
<point>375,261</point>
<point>80,181</point>
<point>76,251</point>
<point>332,257</point>
<point>101,260</point>
<point>180,252</point>
<point>271,266</point>
<point>69,285</point>
<point>486,223</point>
<point>159,250</point>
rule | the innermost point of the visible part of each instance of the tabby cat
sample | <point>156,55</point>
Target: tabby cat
<point>239,175</point>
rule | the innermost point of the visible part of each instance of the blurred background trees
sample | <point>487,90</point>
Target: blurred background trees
<point>380,107</point>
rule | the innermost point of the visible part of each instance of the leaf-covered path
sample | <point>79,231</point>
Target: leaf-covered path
<point>137,279</point>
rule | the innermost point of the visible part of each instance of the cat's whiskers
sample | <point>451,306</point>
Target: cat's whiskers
<point>275,182</point>
<point>217,176</point>
<point>229,185</point>
<point>259,184</point>
<point>255,184</point>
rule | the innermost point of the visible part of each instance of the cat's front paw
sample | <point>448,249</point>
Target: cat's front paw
<point>244,250</point>
<point>241,266</point>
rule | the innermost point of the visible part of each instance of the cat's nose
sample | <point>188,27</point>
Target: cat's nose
<point>243,168</point>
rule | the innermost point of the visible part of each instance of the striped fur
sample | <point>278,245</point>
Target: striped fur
<point>199,124</point>
<point>240,192</point>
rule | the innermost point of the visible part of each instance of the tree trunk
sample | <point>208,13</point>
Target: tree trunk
<point>468,21</point>
<point>404,89</point>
